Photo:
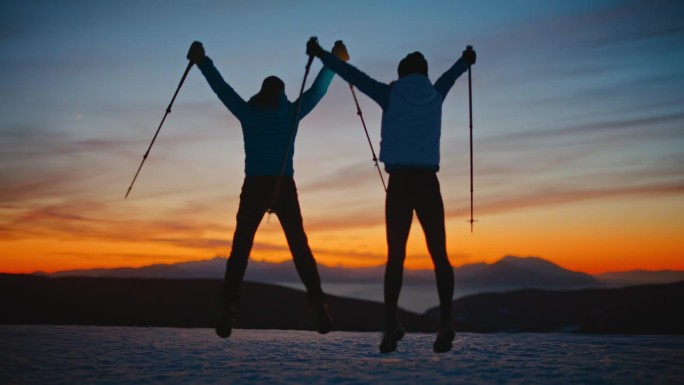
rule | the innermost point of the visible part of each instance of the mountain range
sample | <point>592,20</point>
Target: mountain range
<point>32,299</point>
<point>508,273</point>
<point>643,309</point>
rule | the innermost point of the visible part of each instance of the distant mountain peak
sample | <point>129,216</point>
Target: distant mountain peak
<point>518,272</point>
<point>529,259</point>
<point>514,258</point>
<point>531,263</point>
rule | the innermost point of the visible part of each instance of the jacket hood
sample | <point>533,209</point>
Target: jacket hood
<point>416,89</point>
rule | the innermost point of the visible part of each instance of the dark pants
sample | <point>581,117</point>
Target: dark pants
<point>256,198</point>
<point>417,190</point>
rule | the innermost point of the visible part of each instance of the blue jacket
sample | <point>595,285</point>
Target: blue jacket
<point>266,133</point>
<point>411,112</point>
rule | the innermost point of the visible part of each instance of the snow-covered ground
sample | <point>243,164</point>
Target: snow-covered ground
<point>121,355</point>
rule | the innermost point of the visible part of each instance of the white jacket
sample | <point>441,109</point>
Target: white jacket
<point>412,123</point>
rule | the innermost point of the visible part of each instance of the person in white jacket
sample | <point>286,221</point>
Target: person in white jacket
<point>409,149</point>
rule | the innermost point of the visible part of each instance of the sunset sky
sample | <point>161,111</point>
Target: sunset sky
<point>578,119</point>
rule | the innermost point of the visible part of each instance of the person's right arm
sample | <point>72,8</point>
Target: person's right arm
<point>380,92</point>
<point>225,92</point>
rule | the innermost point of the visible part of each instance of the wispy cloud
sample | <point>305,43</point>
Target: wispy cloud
<point>643,126</point>
<point>514,202</point>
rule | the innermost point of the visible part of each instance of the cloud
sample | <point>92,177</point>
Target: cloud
<point>621,126</point>
<point>550,197</point>
<point>593,28</point>
<point>635,21</point>
<point>350,176</point>
<point>99,220</point>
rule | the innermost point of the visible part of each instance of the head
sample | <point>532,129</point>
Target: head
<point>272,84</point>
<point>413,63</point>
<point>269,95</point>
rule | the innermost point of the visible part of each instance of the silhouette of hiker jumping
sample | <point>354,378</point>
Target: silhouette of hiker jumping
<point>409,149</point>
<point>268,120</point>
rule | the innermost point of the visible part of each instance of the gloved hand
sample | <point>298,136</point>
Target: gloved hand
<point>469,55</point>
<point>313,48</point>
<point>340,50</point>
<point>196,53</point>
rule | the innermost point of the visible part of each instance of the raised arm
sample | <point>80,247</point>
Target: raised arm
<point>315,93</point>
<point>374,89</point>
<point>447,80</point>
<point>223,90</point>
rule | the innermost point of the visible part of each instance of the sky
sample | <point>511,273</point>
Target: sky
<point>578,120</point>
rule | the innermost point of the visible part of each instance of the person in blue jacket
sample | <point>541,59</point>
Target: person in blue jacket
<point>266,120</point>
<point>409,149</point>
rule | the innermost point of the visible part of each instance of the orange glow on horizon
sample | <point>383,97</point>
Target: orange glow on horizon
<point>618,240</point>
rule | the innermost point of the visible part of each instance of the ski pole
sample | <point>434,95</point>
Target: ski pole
<point>293,123</point>
<point>470,109</point>
<point>168,111</point>
<point>363,123</point>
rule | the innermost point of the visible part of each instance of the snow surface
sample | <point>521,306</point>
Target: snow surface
<point>120,355</point>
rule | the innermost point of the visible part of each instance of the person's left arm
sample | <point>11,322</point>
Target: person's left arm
<point>447,80</point>
<point>315,93</point>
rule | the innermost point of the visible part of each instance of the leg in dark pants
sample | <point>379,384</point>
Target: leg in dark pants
<point>255,199</point>
<point>289,214</point>
<point>253,204</point>
<point>430,213</point>
<point>256,196</point>
<point>420,191</point>
<point>398,218</point>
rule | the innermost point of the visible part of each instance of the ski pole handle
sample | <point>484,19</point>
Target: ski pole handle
<point>340,50</point>
<point>469,55</point>
<point>313,42</point>
<point>313,48</point>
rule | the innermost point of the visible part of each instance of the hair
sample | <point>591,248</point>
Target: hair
<point>413,63</point>
<point>269,95</point>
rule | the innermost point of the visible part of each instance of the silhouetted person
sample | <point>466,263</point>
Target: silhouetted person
<point>266,120</point>
<point>409,149</point>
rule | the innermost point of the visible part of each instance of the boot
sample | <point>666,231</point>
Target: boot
<point>390,338</point>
